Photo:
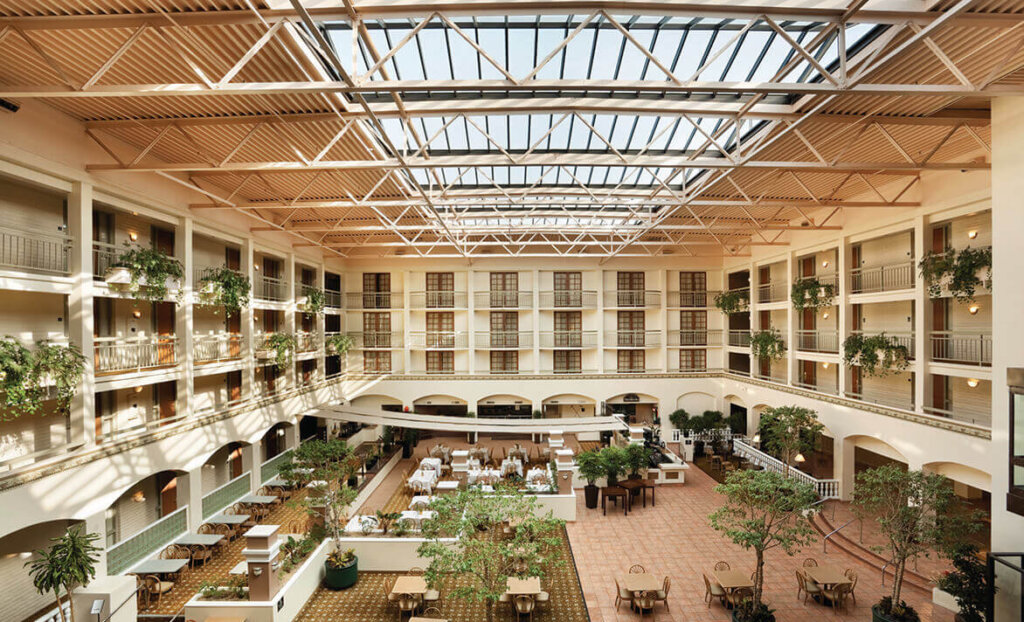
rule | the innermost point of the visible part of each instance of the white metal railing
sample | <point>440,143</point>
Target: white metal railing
<point>817,340</point>
<point>503,300</point>
<point>568,299</point>
<point>104,255</point>
<point>269,288</point>
<point>306,341</point>
<point>112,427</point>
<point>772,292</point>
<point>882,278</point>
<point>739,338</point>
<point>966,414</point>
<point>632,338</point>
<point>438,299</point>
<point>831,390</point>
<point>826,488</point>
<point>632,298</point>
<point>771,377</point>
<point>124,354</point>
<point>697,299</point>
<point>687,338</point>
<point>374,300</point>
<point>892,399</point>
<point>442,339</point>
<point>217,347</point>
<point>377,340</point>
<point>961,347</point>
<point>568,339</point>
<point>35,251</point>
<point>503,340</point>
<point>332,299</point>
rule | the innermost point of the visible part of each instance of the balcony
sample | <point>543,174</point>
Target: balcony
<point>739,338</point>
<point>775,377</point>
<point>961,348</point>
<point>892,399</point>
<point>967,414</point>
<point>503,300</point>
<point>437,300</point>
<point>692,299</point>
<point>269,288</point>
<point>118,355</point>
<point>568,299</point>
<point>632,338</point>
<point>439,339</point>
<point>887,278</point>
<point>104,256</point>
<point>373,300</point>
<point>825,341</point>
<point>632,299</point>
<point>35,251</point>
<point>904,339</point>
<point>631,369</point>
<point>503,340</point>
<point>332,299</point>
<point>772,292</point>
<point>818,388</point>
<point>688,338</point>
<point>377,340</point>
<point>306,342</point>
<point>568,339</point>
<point>217,347</point>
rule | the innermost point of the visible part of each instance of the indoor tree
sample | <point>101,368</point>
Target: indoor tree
<point>764,510</point>
<point>787,431</point>
<point>69,563</point>
<point>464,538</point>
<point>636,457</point>
<point>591,469</point>
<point>613,460</point>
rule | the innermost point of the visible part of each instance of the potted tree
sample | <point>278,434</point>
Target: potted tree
<point>763,510</point>
<point>69,563</point>
<point>613,460</point>
<point>410,436</point>
<point>636,457</point>
<point>591,469</point>
<point>679,419</point>
<point>328,464</point>
<point>967,583</point>
<point>916,512</point>
<point>788,431</point>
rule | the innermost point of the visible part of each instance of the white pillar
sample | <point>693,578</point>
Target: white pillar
<point>791,363</point>
<point>406,317</point>
<point>184,318</point>
<point>291,378</point>
<point>471,321</point>
<point>535,315</point>
<point>600,322</point>
<point>664,322</point>
<point>843,451</point>
<point>248,329</point>
<point>257,455</point>
<point>922,318</point>
<point>195,497</point>
<point>80,311</point>
<point>845,319</point>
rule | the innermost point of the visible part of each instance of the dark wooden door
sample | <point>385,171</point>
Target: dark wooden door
<point>163,240</point>
<point>166,399</point>
<point>234,382</point>
<point>168,483</point>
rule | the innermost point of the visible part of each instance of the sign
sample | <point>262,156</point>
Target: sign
<point>630,398</point>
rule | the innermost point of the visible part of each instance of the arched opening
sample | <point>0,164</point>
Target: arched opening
<point>226,464</point>
<point>504,407</point>
<point>637,408</point>
<point>275,441</point>
<point>974,487</point>
<point>568,405</point>
<point>144,503</point>
<point>442,405</point>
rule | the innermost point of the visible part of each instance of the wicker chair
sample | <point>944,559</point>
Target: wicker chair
<point>713,590</point>
<point>390,599</point>
<point>408,603</point>
<point>722,566</point>
<point>837,595</point>
<point>636,569</point>
<point>523,605</point>
<point>431,612</point>
<point>153,586</point>
<point>810,562</point>
<point>644,602</point>
<point>622,595</point>
<point>738,595</point>
<point>200,553</point>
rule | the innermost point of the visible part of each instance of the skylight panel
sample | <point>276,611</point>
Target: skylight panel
<point>578,56</point>
<point>521,51</point>
<point>492,40</point>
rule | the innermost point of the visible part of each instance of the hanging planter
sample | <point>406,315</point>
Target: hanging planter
<point>281,345</point>
<point>733,301</point>
<point>226,288</point>
<point>961,273</point>
<point>767,344</point>
<point>312,301</point>
<point>810,293</point>
<point>339,344</point>
<point>151,273</point>
<point>26,376</point>
<point>877,355</point>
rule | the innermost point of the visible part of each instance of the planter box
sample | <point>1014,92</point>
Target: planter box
<point>265,354</point>
<point>120,278</point>
<point>944,600</point>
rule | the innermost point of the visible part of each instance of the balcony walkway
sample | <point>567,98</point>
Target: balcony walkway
<point>371,416</point>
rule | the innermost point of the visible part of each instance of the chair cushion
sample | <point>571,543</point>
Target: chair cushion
<point>717,590</point>
<point>432,595</point>
<point>394,597</point>
<point>812,587</point>
<point>543,597</point>
<point>505,598</point>
<point>624,593</point>
<point>165,586</point>
<point>661,595</point>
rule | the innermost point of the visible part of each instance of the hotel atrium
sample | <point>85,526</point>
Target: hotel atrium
<point>467,310</point>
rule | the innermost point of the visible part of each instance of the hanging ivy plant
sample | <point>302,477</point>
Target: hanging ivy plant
<point>767,344</point>
<point>226,288</point>
<point>315,299</point>
<point>877,355</point>
<point>732,301</point>
<point>339,344</point>
<point>283,345</point>
<point>63,366</point>
<point>18,379</point>
<point>811,293</point>
<point>150,269</point>
<point>957,271</point>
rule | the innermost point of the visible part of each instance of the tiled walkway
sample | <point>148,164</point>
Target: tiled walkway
<point>675,539</point>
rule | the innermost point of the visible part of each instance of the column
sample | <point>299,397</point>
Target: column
<point>843,451</point>
<point>291,435</point>
<point>406,317</point>
<point>922,319</point>
<point>291,381</point>
<point>248,329</point>
<point>664,322</point>
<point>845,319</point>
<point>471,320</point>
<point>80,312</point>
<point>259,454</point>
<point>183,325</point>
<point>535,297</point>
<point>194,495</point>
<point>97,524</point>
<point>321,327</point>
<point>600,322</point>
<point>792,375</point>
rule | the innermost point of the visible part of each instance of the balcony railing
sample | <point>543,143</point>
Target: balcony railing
<point>772,377</point>
<point>437,300</point>
<point>104,256</point>
<point>632,338</point>
<point>377,340</point>
<point>893,399</point>
<point>630,298</point>
<point>332,299</point>
<point>772,292</point>
<point>568,299</point>
<point>35,251</point>
<point>739,338</point>
<point>503,340</point>
<point>686,338</point>
<point>692,299</point>
<point>818,341</point>
<point>127,354</point>
<point>439,339</point>
<point>882,278</point>
<point>904,339</point>
<point>966,414</point>
<point>269,288</point>
<point>631,369</point>
<point>569,370</point>
<point>961,348</point>
<point>568,339</point>
<point>218,347</point>
<point>374,300</point>
<point>503,300</point>
<point>306,342</point>
<point>820,388</point>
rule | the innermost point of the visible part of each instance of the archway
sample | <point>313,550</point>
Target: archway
<point>379,402</point>
<point>568,405</point>
<point>637,408</point>
<point>442,405</point>
<point>274,441</point>
<point>144,503</point>
<point>504,407</point>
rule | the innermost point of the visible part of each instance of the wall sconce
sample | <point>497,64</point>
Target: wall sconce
<point>824,263</point>
<point>824,315</point>
<point>973,233</point>
<point>973,309</point>
<point>138,389</point>
<point>757,438</point>
<point>799,458</point>
<point>257,571</point>
<point>280,432</point>
<point>972,382</point>
<point>256,267</point>
<point>824,365</point>
<point>136,314</point>
<point>138,496</point>
<point>133,236</point>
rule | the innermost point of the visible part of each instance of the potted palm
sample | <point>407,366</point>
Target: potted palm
<point>613,460</point>
<point>591,469</point>
<point>69,563</point>
<point>636,458</point>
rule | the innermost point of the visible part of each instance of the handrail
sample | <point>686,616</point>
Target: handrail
<point>826,488</point>
<point>824,541</point>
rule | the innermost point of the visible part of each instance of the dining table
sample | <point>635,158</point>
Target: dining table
<point>199,539</point>
<point>258,499</point>
<point>826,576</point>
<point>410,585</point>
<point>158,566</point>
<point>423,480</point>
<point>227,519</point>
<point>638,582</point>
<point>530,586</point>
<point>431,464</point>
<point>510,465</point>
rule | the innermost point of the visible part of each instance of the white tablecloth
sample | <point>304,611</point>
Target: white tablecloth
<point>355,524</point>
<point>416,517</point>
<point>534,472</point>
<point>474,474</point>
<point>423,481</point>
<point>419,500</point>
<point>433,464</point>
<point>512,464</point>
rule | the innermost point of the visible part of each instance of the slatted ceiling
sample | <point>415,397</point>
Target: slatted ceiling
<point>122,7</point>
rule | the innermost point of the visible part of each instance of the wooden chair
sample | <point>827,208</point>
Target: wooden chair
<point>851,574</point>
<point>431,612</point>
<point>432,596</point>
<point>542,598</point>
<point>176,551</point>
<point>811,587</point>
<point>408,603</point>
<point>622,595</point>
<point>523,605</point>
<point>416,571</point>
<point>153,586</point>
<point>810,562</point>
<point>249,523</point>
<point>722,566</point>
<point>799,583</point>
<point>740,594</point>
<point>636,569</point>
<point>200,553</point>
<point>662,594</point>
<point>837,594</point>
<point>390,599</point>
<point>713,590</point>
<point>644,602</point>
<point>227,531</point>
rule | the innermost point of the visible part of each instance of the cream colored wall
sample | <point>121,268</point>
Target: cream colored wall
<point>31,209</point>
<point>890,317</point>
<point>890,249</point>
<point>19,599</point>
<point>133,516</point>
<point>211,393</point>
<point>31,316</point>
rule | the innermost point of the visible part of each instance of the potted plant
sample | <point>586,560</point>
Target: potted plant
<point>410,437</point>
<point>877,355</point>
<point>312,300</point>
<point>679,418</point>
<point>18,378</point>
<point>342,569</point>
<point>67,564</point>
<point>967,583</point>
<point>339,344</point>
<point>591,469</point>
<point>732,301</point>
<point>385,519</point>
<point>25,376</point>
<point>767,344</point>
<point>151,272</point>
<point>281,345</point>
<point>62,366</point>
<point>957,271</point>
<point>788,431</point>
<point>810,293</point>
<point>613,461</point>
<point>916,512</point>
<point>223,287</point>
<point>636,458</point>
<point>763,510</point>
<point>387,438</point>
<point>538,414</point>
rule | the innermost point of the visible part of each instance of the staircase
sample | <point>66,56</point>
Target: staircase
<point>850,546</point>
